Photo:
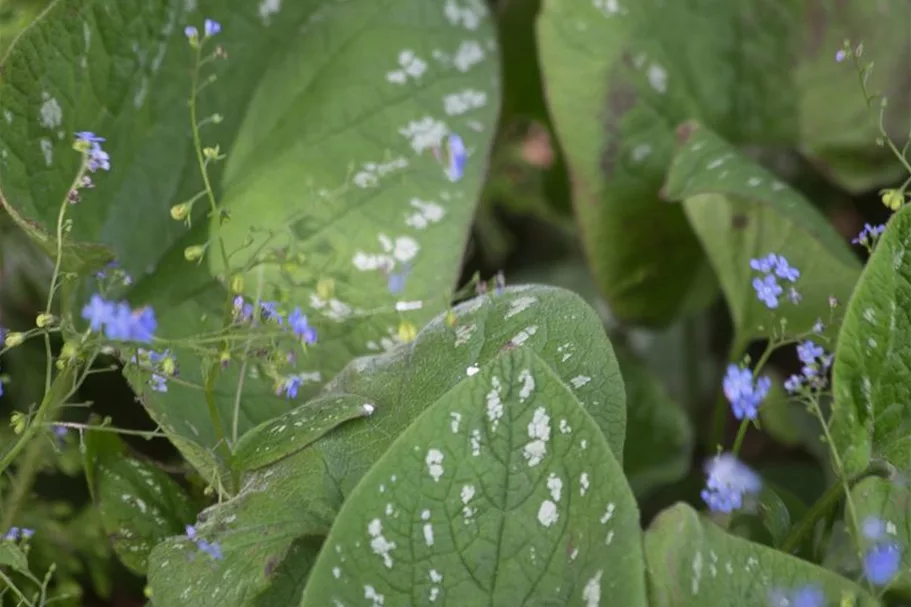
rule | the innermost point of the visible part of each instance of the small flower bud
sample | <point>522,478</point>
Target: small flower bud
<point>210,153</point>
<point>217,118</point>
<point>194,253</point>
<point>450,318</point>
<point>325,288</point>
<point>44,320</point>
<point>13,339</point>
<point>68,351</point>
<point>181,211</point>
<point>168,366</point>
<point>237,284</point>
<point>407,332</point>
<point>225,359</point>
<point>893,199</point>
<point>17,422</point>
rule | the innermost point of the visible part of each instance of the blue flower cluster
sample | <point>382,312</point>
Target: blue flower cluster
<point>90,143</point>
<point>165,366</point>
<point>816,364</point>
<point>868,236</point>
<point>743,393</point>
<point>210,28</point>
<point>882,560</point>
<point>119,321</point>
<point>213,549</point>
<point>810,595</point>
<point>773,268</point>
<point>296,322</point>
<point>15,534</point>
<point>729,480</point>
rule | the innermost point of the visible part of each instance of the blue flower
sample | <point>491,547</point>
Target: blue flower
<point>741,391</point>
<point>119,322</point>
<point>213,549</point>
<point>869,234</point>
<point>816,364</point>
<point>873,528</point>
<point>88,137</point>
<point>191,32</point>
<point>159,383</point>
<point>396,281</point>
<point>809,596</point>
<point>881,563</point>
<point>191,532</point>
<point>774,267</point>
<point>15,534</point>
<point>291,386</point>
<point>297,320</point>
<point>808,352</point>
<point>767,290</point>
<point>212,27</point>
<point>728,481</point>
<point>840,55</point>
<point>97,312</point>
<point>458,157</point>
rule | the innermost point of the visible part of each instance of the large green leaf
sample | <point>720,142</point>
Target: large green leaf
<point>559,523</point>
<point>741,212</point>
<point>301,494</point>
<point>870,413</point>
<point>139,504</point>
<point>619,77</point>
<point>694,562</point>
<point>660,438</point>
<point>331,112</point>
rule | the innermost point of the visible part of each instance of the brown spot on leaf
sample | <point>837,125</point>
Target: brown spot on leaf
<point>739,221</point>
<point>685,130</point>
<point>621,98</point>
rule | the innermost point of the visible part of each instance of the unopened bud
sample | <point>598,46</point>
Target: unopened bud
<point>893,199</point>
<point>325,288</point>
<point>237,284</point>
<point>194,253</point>
<point>13,339</point>
<point>407,332</point>
<point>450,318</point>
<point>44,320</point>
<point>181,211</point>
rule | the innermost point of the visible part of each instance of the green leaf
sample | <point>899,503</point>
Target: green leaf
<point>660,438</point>
<point>870,412</point>
<point>295,430</point>
<point>890,502</point>
<point>11,555</point>
<point>561,523</point>
<point>740,212</point>
<point>694,562</point>
<point>619,78</point>
<point>139,504</point>
<point>301,494</point>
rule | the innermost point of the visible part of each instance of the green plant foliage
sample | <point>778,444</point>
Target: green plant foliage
<point>139,504</point>
<point>870,412</point>
<point>691,561</point>
<point>441,518</point>
<point>300,495</point>
<point>661,444</point>
<point>742,212</point>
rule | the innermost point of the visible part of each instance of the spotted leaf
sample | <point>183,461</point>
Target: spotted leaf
<point>301,494</point>
<point>506,508</point>
<point>139,504</point>
<point>691,561</point>
<point>741,212</point>
<point>883,508</point>
<point>870,412</point>
<point>293,431</point>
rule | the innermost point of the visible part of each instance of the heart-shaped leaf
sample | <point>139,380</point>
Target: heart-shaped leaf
<point>693,562</point>
<point>741,212</point>
<point>870,413</point>
<point>300,495</point>
<point>560,524</point>
<point>139,504</point>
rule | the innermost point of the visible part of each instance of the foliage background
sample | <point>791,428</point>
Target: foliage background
<point>559,208</point>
